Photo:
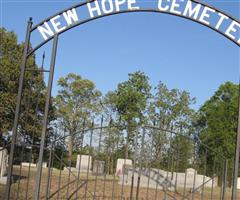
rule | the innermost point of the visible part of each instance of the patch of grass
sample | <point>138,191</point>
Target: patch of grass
<point>65,185</point>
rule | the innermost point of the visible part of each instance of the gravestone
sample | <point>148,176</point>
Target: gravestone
<point>44,165</point>
<point>120,165</point>
<point>3,165</point>
<point>98,167</point>
<point>84,163</point>
<point>238,183</point>
<point>27,164</point>
<point>190,174</point>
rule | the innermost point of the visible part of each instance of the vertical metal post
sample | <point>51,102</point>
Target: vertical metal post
<point>236,165</point>
<point>141,161</point>
<point>224,184</point>
<point>50,161</point>
<point>45,120</point>
<point>204,174</point>
<point>213,177</point>
<point>16,118</point>
<point>134,165</point>
<point>195,173</point>
<point>88,168</point>
<point>99,149</point>
<point>149,165</point>
<point>79,164</point>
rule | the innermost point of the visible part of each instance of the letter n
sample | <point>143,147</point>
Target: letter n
<point>45,31</point>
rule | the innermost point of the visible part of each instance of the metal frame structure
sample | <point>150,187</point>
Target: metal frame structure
<point>143,168</point>
<point>28,52</point>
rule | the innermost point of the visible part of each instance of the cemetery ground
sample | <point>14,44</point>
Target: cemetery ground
<point>90,185</point>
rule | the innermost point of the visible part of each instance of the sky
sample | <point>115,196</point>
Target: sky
<point>180,53</point>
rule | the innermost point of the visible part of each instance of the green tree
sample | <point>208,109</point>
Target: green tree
<point>33,98</point>
<point>182,152</point>
<point>170,110</point>
<point>77,103</point>
<point>130,101</point>
<point>217,123</point>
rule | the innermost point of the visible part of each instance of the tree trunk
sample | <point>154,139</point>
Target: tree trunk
<point>70,148</point>
<point>129,137</point>
<point>127,143</point>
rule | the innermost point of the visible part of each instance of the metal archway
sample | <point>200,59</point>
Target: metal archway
<point>237,42</point>
<point>28,52</point>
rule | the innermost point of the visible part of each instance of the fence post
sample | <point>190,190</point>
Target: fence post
<point>224,183</point>
<point>45,121</point>
<point>237,152</point>
<point>18,106</point>
<point>50,161</point>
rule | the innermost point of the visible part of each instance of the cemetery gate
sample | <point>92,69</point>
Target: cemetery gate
<point>150,166</point>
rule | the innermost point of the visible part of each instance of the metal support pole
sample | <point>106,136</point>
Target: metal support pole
<point>45,120</point>
<point>141,161</point>
<point>224,184</point>
<point>50,161</point>
<point>236,165</point>
<point>16,118</point>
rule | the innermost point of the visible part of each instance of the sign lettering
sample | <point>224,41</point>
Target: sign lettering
<point>185,8</point>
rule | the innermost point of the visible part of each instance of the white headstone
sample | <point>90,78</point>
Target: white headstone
<point>191,171</point>
<point>238,183</point>
<point>44,164</point>
<point>3,166</point>
<point>120,165</point>
<point>84,162</point>
<point>27,164</point>
<point>191,176</point>
<point>3,162</point>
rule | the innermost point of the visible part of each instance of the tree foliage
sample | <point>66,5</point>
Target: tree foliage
<point>33,98</point>
<point>130,101</point>
<point>77,104</point>
<point>217,123</point>
<point>170,110</point>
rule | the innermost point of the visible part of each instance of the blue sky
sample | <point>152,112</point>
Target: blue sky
<point>176,51</point>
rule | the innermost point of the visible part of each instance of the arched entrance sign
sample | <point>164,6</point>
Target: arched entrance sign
<point>193,10</point>
<point>84,12</point>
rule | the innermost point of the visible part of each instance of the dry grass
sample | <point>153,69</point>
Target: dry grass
<point>88,187</point>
